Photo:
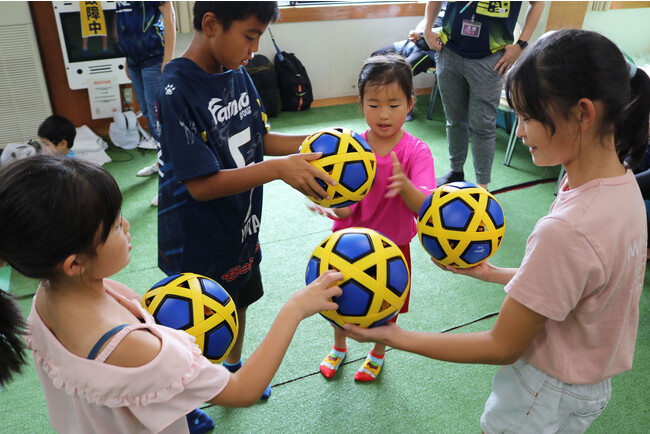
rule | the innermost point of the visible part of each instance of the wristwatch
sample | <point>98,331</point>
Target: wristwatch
<point>522,44</point>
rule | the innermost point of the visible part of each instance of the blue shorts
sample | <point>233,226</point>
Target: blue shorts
<point>526,400</point>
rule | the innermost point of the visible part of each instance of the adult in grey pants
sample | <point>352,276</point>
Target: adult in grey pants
<point>475,49</point>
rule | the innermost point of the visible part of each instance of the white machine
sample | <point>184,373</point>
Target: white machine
<point>90,58</point>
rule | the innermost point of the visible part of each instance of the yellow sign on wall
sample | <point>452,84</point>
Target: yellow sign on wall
<point>92,19</point>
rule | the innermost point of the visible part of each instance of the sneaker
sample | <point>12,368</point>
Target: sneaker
<point>199,422</point>
<point>450,177</point>
<point>149,143</point>
<point>154,201</point>
<point>409,116</point>
<point>148,171</point>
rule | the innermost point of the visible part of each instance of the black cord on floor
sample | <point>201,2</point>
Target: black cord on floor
<point>523,185</point>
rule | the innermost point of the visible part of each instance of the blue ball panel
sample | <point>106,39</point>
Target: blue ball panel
<point>165,281</point>
<point>496,213</point>
<point>322,183</point>
<point>355,300</point>
<point>425,206</point>
<point>216,291</point>
<point>433,248</point>
<point>217,341</point>
<point>353,175</point>
<point>476,252</point>
<point>344,204</point>
<point>383,321</point>
<point>331,322</point>
<point>175,313</point>
<point>312,270</point>
<point>455,214</point>
<point>398,277</point>
<point>325,143</point>
<point>462,185</point>
<point>353,246</point>
<point>364,144</point>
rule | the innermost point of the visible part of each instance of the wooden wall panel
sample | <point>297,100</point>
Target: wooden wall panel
<point>566,15</point>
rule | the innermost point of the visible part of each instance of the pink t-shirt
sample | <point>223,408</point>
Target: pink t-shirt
<point>392,217</point>
<point>86,396</point>
<point>583,270</point>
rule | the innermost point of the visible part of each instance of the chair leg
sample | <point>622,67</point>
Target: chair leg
<point>432,98</point>
<point>512,141</point>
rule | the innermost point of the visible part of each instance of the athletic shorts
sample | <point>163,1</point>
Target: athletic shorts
<point>252,290</point>
<point>526,400</point>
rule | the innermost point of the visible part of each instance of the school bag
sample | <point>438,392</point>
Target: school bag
<point>293,81</point>
<point>262,72</point>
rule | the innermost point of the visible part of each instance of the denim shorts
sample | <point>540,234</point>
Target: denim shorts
<point>526,400</point>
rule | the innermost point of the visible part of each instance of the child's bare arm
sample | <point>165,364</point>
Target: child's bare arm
<point>402,185</point>
<point>247,384</point>
<point>513,332</point>
<point>282,144</point>
<point>294,169</point>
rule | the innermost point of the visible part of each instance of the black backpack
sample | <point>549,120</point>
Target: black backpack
<point>293,81</point>
<point>263,75</point>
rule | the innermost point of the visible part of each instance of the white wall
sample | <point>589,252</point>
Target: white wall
<point>333,51</point>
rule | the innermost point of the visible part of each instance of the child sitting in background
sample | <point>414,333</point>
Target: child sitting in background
<point>404,178</point>
<point>147,377</point>
<point>569,320</point>
<point>57,134</point>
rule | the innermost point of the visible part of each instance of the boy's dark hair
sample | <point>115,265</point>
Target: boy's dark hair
<point>567,65</point>
<point>227,12</point>
<point>383,69</point>
<point>52,207</point>
<point>12,346</point>
<point>56,128</point>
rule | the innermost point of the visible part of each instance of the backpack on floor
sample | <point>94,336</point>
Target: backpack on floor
<point>293,81</point>
<point>262,72</point>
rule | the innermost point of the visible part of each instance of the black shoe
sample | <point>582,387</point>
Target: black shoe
<point>450,177</point>
<point>409,116</point>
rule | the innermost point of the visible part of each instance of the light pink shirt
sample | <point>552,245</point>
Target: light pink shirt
<point>391,216</point>
<point>88,396</point>
<point>583,270</point>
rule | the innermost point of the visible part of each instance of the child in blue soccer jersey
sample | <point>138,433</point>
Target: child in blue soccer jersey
<point>214,138</point>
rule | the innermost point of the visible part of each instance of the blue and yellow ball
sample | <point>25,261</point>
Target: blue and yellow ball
<point>461,224</point>
<point>199,306</point>
<point>376,278</point>
<point>348,159</point>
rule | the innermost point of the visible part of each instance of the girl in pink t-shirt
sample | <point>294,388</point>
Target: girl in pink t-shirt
<point>404,178</point>
<point>569,319</point>
<point>104,364</point>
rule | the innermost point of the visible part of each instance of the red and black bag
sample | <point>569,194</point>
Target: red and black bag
<point>293,81</point>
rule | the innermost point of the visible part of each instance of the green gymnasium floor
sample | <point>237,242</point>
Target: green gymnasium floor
<point>413,393</point>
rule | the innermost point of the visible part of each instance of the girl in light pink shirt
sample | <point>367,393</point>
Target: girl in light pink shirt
<point>404,178</point>
<point>569,319</point>
<point>61,222</point>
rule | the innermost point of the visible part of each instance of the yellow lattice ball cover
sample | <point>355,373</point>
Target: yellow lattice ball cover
<point>348,159</point>
<point>198,305</point>
<point>461,224</point>
<point>376,278</point>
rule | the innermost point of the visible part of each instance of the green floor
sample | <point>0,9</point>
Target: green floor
<point>413,394</point>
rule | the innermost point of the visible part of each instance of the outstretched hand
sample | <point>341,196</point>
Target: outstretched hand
<point>317,296</point>
<point>301,175</point>
<point>479,271</point>
<point>380,334</point>
<point>327,212</point>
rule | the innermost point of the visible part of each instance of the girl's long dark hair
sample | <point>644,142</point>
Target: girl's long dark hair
<point>567,65</point>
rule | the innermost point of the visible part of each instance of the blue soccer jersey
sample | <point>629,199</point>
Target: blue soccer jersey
<point>209,122</point>
<point>140,32</point>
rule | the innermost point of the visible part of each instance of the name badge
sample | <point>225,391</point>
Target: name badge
<point>471,28</point>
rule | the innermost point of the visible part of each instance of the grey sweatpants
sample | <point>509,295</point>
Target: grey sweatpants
<point>470,90</point>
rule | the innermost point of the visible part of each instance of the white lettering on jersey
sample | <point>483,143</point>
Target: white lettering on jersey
<point>235,142</point>
<point>222,114</point>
